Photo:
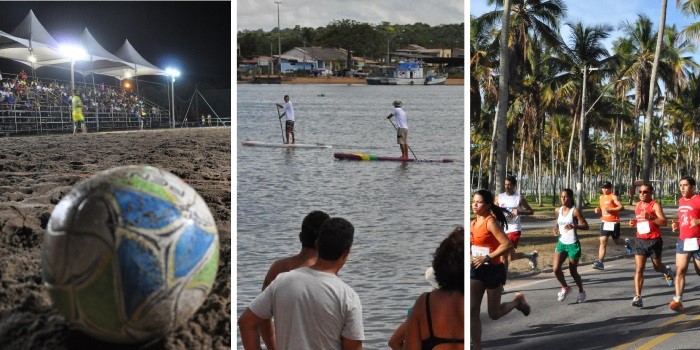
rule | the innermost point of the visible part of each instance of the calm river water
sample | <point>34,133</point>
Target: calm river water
<point>401,212</point>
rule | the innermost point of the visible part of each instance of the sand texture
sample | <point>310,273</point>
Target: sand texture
<point>37,171</point>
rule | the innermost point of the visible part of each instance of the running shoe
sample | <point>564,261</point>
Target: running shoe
<point>598,265</point>
<point>523,306</point>
<point>669,276</point>
<point>628,246</point>
<point>533,260</point>
<point>563,293</point>
<point>637,301</point>
<point>581,297</point>
<point>676,304</point>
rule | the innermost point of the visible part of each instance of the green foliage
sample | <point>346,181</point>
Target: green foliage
<point>363,39</point>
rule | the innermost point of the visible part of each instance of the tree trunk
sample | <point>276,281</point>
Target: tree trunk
<point>502,107</point>
<point>568,157</point>
<point>646,155</point>
<point>583,136</point>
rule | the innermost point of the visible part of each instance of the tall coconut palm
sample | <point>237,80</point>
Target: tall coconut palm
<point>499,126</point>
<point>529,19</point>
<point>584,51</point>
<point>646,156</point>
<point>636,48</point>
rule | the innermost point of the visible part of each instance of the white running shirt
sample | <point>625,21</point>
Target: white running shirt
<point>566,236</point>
<point>509,203</point>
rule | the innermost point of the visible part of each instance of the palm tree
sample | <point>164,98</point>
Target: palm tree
<point>530,18</point>
<point>502,107</point>
<point>585,50</point>
<point>636,49</point>
<point>646,169</point>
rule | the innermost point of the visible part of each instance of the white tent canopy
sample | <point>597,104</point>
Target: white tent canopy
<point>30,38</point>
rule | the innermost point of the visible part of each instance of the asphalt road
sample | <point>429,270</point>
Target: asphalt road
<point>607,320</point>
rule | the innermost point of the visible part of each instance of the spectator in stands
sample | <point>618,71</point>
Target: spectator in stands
<point>209,119</point>
<point>23,75</point>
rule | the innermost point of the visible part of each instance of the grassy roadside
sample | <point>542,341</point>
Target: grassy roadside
<point>544,241</point>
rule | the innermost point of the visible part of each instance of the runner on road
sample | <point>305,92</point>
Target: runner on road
<point>687,246</point>
<point>609,207</point>
<point>648,216</point>
<point>517,205</point>
<point>569,221</point>
<point>489,245</point>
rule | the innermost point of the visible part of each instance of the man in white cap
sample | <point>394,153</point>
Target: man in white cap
<point>402,130</point>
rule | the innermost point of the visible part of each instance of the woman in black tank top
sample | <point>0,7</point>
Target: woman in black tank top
<point>443,322</point>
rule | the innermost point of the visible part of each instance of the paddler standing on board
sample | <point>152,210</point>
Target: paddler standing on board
<point>289,120</point>
<point>402,130</point>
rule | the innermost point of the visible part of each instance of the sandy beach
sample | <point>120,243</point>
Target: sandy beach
<point>339,80</point>
<point>37,171</point>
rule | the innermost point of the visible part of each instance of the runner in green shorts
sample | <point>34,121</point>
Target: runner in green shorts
<point>569,221</point>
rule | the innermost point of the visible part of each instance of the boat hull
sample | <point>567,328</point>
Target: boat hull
<point>372,157</point>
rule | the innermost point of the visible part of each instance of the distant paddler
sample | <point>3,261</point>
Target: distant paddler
<point>402,129</point>
<point>289,118</point>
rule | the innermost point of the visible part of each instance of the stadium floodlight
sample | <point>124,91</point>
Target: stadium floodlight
<point>75,53</point>
<point>173,73</point>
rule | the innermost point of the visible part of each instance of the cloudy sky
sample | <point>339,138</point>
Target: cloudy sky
<point>262,14</point>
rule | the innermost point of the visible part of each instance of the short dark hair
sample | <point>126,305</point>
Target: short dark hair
<point>309,228</point>
<point>648,185</point>
<point>448,261</point>
<point>511,179</point>
<point>334,238</point>
<point>690,180</point>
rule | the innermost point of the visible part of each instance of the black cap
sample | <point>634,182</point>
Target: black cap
<point>606,184</point>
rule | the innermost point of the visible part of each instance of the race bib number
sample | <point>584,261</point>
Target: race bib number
<point>608,226</point>
<point>690,244</point>
<point>480,251</point>
<point>643,227</point>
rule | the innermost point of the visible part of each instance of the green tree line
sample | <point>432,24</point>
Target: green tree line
<point>363,39</point>
<point>562,112</point>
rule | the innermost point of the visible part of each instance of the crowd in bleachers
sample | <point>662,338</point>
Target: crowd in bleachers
<point>20,92</point>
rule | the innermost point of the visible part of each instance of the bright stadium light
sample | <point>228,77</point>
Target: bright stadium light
<point>173,73</point>
<point>75,53</point>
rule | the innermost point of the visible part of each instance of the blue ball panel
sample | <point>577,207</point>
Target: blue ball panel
<point>146,211</point>
<point>141,273</point>
<point>192,246</point>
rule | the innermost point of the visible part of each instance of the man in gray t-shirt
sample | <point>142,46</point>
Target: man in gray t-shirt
<point>312,306</point>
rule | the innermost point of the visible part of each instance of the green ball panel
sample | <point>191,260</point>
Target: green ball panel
<point>62,300</point>
<point>207,274</point>
<point>97,300</point>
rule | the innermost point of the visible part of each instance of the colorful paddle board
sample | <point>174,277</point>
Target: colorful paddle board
<point>372,157</point>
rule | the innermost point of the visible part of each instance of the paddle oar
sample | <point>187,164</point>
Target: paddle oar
<point>397,130</point>
<point>280,118</point>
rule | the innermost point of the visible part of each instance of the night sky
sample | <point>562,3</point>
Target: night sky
<point>193,36</point>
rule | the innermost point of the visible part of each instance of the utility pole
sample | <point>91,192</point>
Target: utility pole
<point>279,40</point>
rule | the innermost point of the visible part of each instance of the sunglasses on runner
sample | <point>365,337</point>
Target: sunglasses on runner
<point>643,192</point>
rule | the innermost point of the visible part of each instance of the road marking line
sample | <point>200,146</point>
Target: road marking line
<point>628,345</point>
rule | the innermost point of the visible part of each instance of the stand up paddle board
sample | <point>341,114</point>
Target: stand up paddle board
<point>285,145</point>
<point>372,157</point>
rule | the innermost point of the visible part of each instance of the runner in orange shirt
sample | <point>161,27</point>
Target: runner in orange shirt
<point>609,207</point>
<point>489,245</point>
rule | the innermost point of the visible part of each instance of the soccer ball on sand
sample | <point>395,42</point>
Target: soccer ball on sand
<point>130,254</point>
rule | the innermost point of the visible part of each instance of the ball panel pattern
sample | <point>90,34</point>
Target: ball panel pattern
<point>130,254</point>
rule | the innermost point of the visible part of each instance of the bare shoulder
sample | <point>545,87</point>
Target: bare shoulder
<point>280,266</point>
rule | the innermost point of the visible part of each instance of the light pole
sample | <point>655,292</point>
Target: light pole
<point>173,73</point>
<point>279,41</point>
<point>584,131</point>
<point>75,53</point>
